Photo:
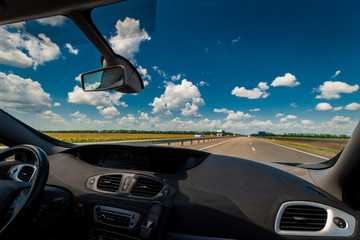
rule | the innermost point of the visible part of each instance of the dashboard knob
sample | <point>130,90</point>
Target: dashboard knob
<point>102,217</point>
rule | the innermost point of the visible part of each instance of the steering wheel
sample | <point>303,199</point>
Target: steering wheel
<point>17,197</point>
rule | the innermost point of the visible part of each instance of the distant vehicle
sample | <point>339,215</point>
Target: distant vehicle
<point>199,134</point>
<point>220,133</point>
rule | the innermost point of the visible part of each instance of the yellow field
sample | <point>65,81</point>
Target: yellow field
<point>104,137</point>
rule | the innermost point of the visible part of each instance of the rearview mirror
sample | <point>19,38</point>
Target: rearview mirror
<point>108,78</point>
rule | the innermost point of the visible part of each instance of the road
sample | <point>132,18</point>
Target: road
<point>255,149</point>
<point>250,148</point>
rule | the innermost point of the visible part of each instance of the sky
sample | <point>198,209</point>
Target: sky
<point>240,66</point>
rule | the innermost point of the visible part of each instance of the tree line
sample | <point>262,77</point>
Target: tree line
<point>308,135</point>
<point>135,131</point>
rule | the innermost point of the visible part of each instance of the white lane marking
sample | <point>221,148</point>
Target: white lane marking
<point>216,144</point>
<point>311,154</point>
<point>253,149</point>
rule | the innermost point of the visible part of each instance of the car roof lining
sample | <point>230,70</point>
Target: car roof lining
<point>12,11</point>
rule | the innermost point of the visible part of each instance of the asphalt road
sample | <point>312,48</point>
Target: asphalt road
<point>255,149</point>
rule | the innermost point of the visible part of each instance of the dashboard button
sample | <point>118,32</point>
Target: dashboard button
<point>340,222</point>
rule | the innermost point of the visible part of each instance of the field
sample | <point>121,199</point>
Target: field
<point>327,147</point>
<point>105,137</point>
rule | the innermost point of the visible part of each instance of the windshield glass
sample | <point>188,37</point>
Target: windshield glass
<point>276,81</point>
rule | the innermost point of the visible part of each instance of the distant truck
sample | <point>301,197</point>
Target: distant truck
<point>220,133</point>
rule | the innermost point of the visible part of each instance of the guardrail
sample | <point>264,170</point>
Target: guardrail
<point>161,141</point>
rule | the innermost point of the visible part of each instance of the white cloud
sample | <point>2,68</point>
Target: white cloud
<point>108,112</point>
<point>71,49</point>
<point>337,108</point>
<point>353,106</point>
<point>144,73</point>
<point>236,40</point>
<point>23,95</point>
<point>185,97</point>
<point>176,77</point>
<point>80,118</point>
<point>52,21</point>
<point>288,117</point>
<point>288,80</point>
<point>255,93</point>
<point>128,37</point>
<point>202,83</point>
<point>279,115</point>
<point>332,90</point>
<point>323,107</point>
<point>19,50</point>
<point>159,71</point>
<point>336,74</point>
<point>53,117</point>
<point>57,104</point>
<point>144,116</point>
<point>294,105</point>
<point>255,110</point>
<point>307,122</point>
<point>232,115</point>
<point>78,78</point>
<point>106,99</point>
<point>191,111</point>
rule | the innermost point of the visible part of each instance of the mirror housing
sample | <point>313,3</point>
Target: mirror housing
<point>133,81</point>
<point>118,74</point>
<point>108,78</point>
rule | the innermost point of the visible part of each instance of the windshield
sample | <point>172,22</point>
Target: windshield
<point>265,77</point>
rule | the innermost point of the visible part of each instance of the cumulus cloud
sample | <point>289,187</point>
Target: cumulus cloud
<point>108,112</point>
<point>105,99</point>
<point>259,92</point>
<point>52,21</point>
<point>80,118</point>
<point>288,117</point>
<point>255,110</point>
<point>71,49</point>
<point>323,107</point>
<point>57,104</point>
<point>332,90</point>
<point>279,115</point>
<point>144,116</point>
<point>128,37</point>
<point>307,122</point>
<point>353,106</point>
<point>288,80</point>
<point>23,95</point>
<point>294,105</point>
<point>232,115</point>
<point>336,74</point>
<point>19,50</point>
<point>53,117</point>
<point>184,96</point>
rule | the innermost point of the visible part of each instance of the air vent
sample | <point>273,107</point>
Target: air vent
<point>146,187</point>
<point>303,218</point>
<point>26,173</point>
<point>109,183</point>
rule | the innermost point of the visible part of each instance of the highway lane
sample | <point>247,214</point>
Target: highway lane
<point>255,149</point>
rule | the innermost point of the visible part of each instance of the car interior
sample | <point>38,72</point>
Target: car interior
<point>53,190</point>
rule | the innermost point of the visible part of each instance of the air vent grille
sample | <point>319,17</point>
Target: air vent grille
<point>146,187</point>
<point>26,173</point>
<point>303,218</point>
<point>109,183</point>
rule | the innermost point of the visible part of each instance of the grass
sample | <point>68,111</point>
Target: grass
<point>326,152</point>
<point>106,137</point>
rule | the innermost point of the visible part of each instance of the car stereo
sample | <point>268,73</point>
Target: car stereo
<point>116,217</point>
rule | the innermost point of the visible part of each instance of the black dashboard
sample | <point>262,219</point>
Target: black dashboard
<point>145,192</point>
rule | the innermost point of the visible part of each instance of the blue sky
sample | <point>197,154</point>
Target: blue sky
<point>240,66</point>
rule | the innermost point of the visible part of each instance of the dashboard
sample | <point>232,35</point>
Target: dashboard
<point>149,192</point>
